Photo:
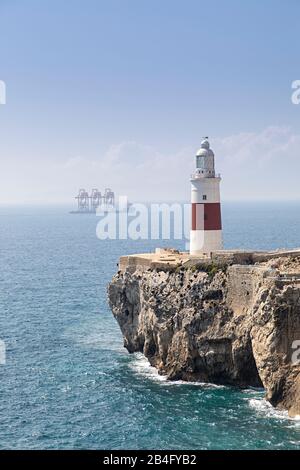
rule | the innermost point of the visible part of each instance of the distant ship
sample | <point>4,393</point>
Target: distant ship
<point>96,202</point>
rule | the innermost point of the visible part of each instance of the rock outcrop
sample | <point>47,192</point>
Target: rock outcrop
<point>236,325</point>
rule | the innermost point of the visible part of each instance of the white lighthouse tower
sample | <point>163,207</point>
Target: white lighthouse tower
<point>206,230</point>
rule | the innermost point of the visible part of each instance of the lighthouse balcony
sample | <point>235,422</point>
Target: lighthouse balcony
<point>205,174</point>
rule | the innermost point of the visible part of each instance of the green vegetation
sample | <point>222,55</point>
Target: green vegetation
<point>210,268</point>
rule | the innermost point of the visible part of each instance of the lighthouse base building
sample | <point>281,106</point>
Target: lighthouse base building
<point>206,229</point>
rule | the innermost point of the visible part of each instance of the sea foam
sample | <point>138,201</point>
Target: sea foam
<point>141,366</point>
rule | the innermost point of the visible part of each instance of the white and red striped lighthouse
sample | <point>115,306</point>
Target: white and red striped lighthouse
<point>206,230</point>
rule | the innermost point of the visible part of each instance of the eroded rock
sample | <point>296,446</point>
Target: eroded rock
<point>228,326</point>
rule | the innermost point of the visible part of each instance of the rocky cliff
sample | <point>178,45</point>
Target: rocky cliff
<point>219,323</point>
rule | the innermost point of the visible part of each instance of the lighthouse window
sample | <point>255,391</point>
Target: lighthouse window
<point>204,197</point>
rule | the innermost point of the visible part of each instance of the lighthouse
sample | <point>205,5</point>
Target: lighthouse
<point>206,229</point>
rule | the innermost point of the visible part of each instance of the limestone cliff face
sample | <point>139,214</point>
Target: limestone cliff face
<point>226,325</point>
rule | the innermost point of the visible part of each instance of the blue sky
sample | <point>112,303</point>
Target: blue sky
<point>119,93</point>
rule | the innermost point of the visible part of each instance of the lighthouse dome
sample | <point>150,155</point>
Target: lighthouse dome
<point>205,150</point>
<point>205,143</point>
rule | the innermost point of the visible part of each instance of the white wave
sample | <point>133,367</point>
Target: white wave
<point>266,410</point>
<point>141,366</point>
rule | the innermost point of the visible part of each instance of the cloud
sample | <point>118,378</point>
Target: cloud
<point>255,166</point>
<point>260,147</point>
<point>262,165</point>
<point>139,171</point>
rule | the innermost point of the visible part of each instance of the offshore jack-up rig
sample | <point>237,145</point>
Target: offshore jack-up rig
<point>89,203</point>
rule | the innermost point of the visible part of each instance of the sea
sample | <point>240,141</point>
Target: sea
<point>67,382</point>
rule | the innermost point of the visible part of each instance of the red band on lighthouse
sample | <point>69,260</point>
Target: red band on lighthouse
<point>206,216</point>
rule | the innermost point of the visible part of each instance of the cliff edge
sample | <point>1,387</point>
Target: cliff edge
<point>215,320</point>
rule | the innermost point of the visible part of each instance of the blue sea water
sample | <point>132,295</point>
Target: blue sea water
<point>68,383</point>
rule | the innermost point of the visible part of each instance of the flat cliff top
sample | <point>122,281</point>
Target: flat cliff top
<point>168,259</point>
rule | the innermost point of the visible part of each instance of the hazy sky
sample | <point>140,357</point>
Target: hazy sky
<point>119,93</point>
